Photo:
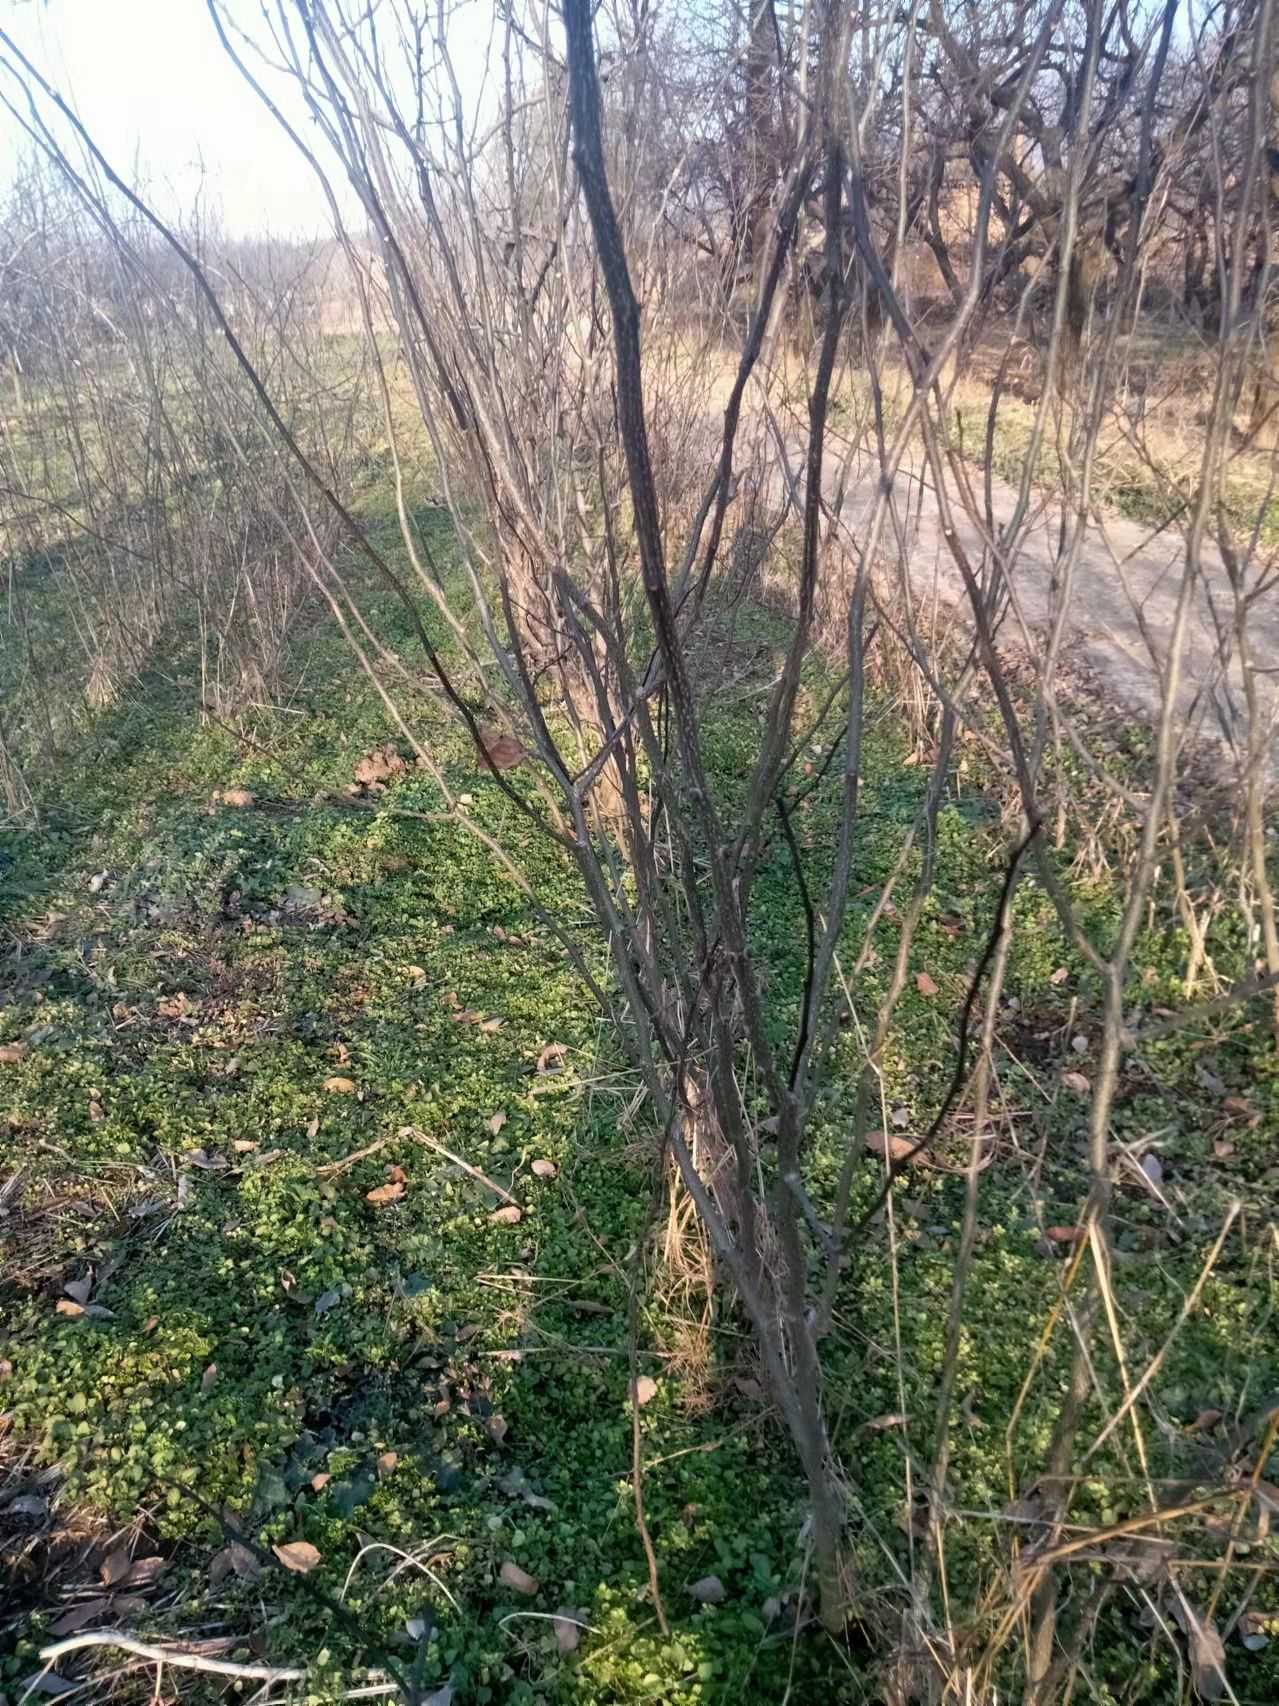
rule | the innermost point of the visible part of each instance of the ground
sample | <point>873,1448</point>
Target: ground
<point>248,1301</point>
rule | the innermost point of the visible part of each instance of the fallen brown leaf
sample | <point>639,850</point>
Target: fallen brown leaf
<point>382,1194</point>
<point>1252,1630</point>
<point>87,1612</point>
<point>512,1576</point>
<point>507,1215</point>
<point>205,1162</point>
<point>892,1147</point>
<point>924,984</point>
<point>552,1051</point>
<point>503,751</point>
<point>544,1169</point>
<point>297,1555</point>
<point>378,765</point>
<point>1203,1421</point>
<point>12,1053</point>
<point>235,797</point>
<point>497,1122</point>
<point>1207,1659</point>
<point>114,1567</point>
<point>1139,1557</point>
<point>234,1559</point>
<point>567,1626</point>
<point>1065,1234</point>
<point>644,1389</point>
<point>339,1086</point>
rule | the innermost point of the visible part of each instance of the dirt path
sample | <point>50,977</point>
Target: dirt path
<point>1121,609</point>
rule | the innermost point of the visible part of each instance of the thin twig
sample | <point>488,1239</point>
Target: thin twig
<point>180,1658</point>
<point>435,1144</point>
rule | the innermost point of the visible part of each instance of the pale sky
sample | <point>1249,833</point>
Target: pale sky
<point>160,97</point>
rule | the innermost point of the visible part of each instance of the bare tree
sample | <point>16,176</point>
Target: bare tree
<point>581,273</point>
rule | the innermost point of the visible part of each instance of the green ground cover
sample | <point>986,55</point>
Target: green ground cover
<point>211,1010</point>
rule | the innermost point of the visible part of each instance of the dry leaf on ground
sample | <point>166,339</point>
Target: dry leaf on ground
<point>567,1624</point>
<point>503,751</point>
<point>234,1560</point>
<point>1207,1659</point>
<point>297,1555</point>
<point>1065,1234</point>
<point>382,1194</point>
<point>88,1611</point>
<point>379,765</point>
<point>205,1162</point>
<point>512,1576</point>
<point>892,1147</point>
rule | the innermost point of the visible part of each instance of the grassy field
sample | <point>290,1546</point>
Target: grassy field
<point>252,1316</point>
